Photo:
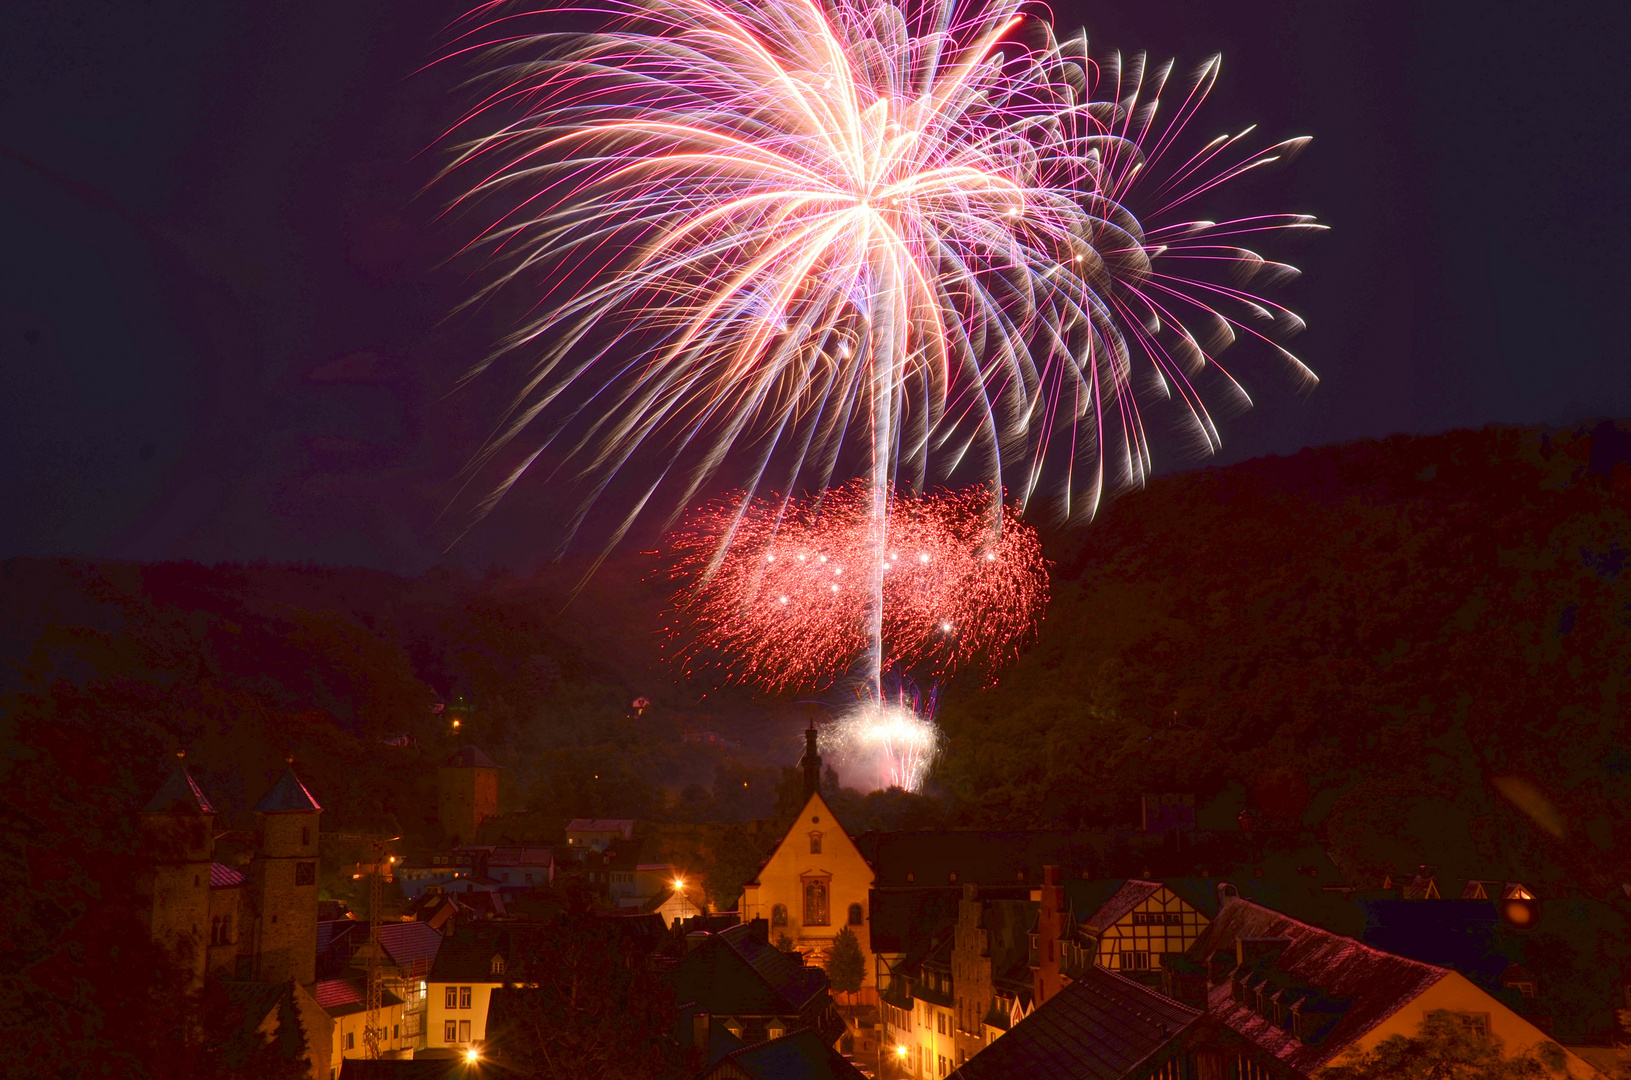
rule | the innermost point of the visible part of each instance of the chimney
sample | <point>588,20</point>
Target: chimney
<point>699,1031</point>
<point>812,763</point>
<point>759,930</point>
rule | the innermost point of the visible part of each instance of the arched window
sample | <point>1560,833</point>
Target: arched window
<point>778,915</point>
<point>815,903</point>
<point>815,843</point>
<point>856,915</point>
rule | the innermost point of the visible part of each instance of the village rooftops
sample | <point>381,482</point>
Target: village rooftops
<point>1370,985</point>
<point>736,973</point>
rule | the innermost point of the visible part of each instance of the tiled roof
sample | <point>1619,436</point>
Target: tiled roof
<point>734,973</point>
<point>287,796</point>
<point>1100,1027</point>
<point>468,757</point>
<point>1376,983</point>
<point>223,876</point>
<point>521,856</point>
<point>1120,904</point>
<point>799,1055</point>
<point>411,945</point>
<point>179,794</point>
<point>342,997</point>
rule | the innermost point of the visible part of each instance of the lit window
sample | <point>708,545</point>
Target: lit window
<point>498,965</point>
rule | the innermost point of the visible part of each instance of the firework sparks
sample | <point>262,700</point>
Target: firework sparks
<point>763,231</point>
<point>895,738</point>
<point>786,585</point>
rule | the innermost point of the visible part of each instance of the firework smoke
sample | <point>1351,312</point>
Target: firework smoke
<point>785,586</point>
<point>892,742</point>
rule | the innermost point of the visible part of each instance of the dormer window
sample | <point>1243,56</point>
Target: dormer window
<point>498,965</point>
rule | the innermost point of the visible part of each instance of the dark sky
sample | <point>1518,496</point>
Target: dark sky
<point>224,316</point>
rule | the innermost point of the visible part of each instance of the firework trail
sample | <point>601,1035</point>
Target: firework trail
<point>894,737</point>
<point>820,237</point>
<point>791,593</point>
<point>774,231</point>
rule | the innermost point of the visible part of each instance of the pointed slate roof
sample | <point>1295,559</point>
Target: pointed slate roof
<point>468,757</point>
<point>180,794</point>
<point>288,796</point>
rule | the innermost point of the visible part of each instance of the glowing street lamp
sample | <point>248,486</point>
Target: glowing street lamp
<point>471,1056</point>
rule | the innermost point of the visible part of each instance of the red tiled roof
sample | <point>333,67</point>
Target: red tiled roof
<point>521,856</point>
<point>1123,901</point>
<point>224,877</point>
<point>1377,984</point>
<point>342,997</point>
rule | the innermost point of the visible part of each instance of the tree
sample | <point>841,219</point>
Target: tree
<point>846,967</point>
<point>1446,1048</point>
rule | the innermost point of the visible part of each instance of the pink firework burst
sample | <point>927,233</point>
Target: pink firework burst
<point>785,585</point>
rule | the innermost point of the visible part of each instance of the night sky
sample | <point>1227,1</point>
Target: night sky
<point>225,310</point>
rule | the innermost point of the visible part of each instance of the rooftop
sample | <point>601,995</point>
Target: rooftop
<point>1376,984</point>
<point>179,794</point>
<point>288,796</point>
<point>799,1055</point>
<point>342,997</point>
<point>1100,1027</point>
<point>223,876</point>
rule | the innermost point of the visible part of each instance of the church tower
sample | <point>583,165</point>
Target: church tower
<point>811,762</point>
<point>283,885</point>
<point>466,794</point>
<point>177,829</point>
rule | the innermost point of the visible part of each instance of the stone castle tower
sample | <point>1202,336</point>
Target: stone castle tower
<point>281,921</point>
<point>177,829</point>
<point>466,793</point>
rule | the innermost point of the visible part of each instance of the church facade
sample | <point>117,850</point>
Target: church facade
<point>816,881</point>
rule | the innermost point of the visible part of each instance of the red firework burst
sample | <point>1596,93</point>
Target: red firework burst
<point>785,586</point>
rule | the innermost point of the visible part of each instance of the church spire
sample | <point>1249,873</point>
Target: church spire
<point>812,763</point>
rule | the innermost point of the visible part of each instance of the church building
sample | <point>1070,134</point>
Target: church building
<point>816,881</point>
